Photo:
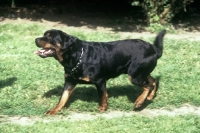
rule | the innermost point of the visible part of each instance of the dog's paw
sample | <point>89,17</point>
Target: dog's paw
<point>102,108</point>
<point>138,104</point>
<point>51,112</point>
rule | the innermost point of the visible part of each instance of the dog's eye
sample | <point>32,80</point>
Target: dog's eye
<point>49,37</point>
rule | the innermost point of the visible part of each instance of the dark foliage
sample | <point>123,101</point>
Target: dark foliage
<point>156,11</point>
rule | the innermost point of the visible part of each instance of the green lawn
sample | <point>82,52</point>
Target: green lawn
<point>30,85</point>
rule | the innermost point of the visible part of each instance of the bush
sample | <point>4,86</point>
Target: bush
<point>161,11</point>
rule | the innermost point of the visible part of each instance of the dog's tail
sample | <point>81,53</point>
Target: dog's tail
<point>158,43</point>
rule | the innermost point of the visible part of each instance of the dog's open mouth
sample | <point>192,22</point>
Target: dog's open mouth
<point>45,52</point>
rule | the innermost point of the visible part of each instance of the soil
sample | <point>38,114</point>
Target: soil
<point>89,21</point>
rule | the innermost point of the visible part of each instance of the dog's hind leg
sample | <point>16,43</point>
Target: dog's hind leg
<point>144,83</point>
<point>149,89</point>
<point>140,100</point>
<point>153,83</point>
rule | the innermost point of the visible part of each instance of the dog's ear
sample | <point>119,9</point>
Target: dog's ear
<point>66,40</point>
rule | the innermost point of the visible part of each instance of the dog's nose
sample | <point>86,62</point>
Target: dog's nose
<point>37,40</point>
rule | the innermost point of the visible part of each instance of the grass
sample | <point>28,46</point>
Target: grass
<point>30,85</point>
<point>136,124</point>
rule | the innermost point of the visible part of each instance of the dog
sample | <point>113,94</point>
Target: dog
<point>96,62</point>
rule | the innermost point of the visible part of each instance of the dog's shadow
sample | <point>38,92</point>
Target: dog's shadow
<point>88,93</point>
<point>7,82</point>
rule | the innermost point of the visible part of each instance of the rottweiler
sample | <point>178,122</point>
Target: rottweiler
<point>95,63</point>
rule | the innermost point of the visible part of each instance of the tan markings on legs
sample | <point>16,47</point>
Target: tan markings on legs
<point>103,105</point>
<point>140,100</point>
<point>87,79</point>
<point>153,92</point>
<point>65,96</point>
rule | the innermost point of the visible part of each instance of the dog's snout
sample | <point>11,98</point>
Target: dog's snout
<point>37,40</point>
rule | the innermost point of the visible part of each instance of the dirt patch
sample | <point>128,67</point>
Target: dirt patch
<point>190,36</point>
<point>74,116</point>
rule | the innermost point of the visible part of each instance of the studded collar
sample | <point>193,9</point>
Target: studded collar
<point>79,62</point>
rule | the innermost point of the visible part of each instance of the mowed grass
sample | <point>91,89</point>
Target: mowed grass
<point>30,85</point>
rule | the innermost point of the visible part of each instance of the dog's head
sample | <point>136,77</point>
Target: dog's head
<point>53,44</point>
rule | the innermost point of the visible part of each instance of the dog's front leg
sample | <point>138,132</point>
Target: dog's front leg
<point>68,89</point>
<point>103,96</point>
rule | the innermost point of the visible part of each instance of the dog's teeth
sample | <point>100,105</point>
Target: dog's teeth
<point>42,51</point>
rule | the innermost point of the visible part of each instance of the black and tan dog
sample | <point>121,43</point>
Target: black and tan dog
<point>97,62</point>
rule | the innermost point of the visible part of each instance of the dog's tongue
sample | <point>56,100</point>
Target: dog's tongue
<point>37,52</point>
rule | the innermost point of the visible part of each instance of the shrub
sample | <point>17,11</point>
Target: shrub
<point>161,11</point>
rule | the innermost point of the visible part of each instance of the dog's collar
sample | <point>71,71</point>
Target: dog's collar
<point>79,62</point>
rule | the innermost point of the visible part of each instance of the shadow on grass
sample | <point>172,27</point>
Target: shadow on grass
<point>99,14</point>
<point>7,82</point>
<point>93,17</point>
<point>89,93</point>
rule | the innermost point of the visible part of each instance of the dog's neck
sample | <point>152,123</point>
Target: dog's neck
<point>79,62</point>
<point>72,67</point>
